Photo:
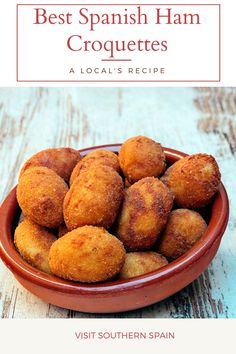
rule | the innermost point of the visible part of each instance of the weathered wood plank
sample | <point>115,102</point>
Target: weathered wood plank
<point>188,119</point>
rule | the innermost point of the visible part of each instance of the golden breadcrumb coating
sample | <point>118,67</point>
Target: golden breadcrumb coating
<point>194,180</point>
<point>33,243</point>
<point>87,254</point>
<point>183,229</point>
<point>40,194</point>
<point>60,160</point>
<point>141,157</point>
<point>98,157</point>
<point>146,207</point>
<point>139,263</point>
<point>94,198</point>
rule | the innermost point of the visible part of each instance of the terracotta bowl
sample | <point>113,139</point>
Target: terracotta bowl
<point>117,295</point>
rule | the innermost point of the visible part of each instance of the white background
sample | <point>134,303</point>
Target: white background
<point>58,336</point>
<point>192,54</point>
<point>8,48</point>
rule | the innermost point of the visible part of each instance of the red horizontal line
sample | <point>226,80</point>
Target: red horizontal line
<point>116,59</point>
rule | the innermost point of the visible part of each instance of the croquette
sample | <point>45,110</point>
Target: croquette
<point>139,263</point>
<point>61,160</point>
<point>98,157</point>
<point>141,157</point>
<point>87,254</point>
<point>115,203</point>
<point>193,180</point>
<point>184,228</point>
<point>33,243</point>
<point>144,212</point>
<point>40,194</point>
<point>94,198</point>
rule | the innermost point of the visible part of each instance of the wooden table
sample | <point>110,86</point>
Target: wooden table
<point>187,119</point>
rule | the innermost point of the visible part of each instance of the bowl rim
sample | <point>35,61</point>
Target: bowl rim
<point>10,256</point>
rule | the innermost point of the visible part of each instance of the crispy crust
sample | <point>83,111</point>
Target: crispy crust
<point>94,198</point>
<point>61,160</point>
<point>33,242</point>
<point>194,180</point>
<point>138,263</point>
<point>141,157</point>
<point>40,194</point>
<point>146,206</point>
<point>98,157</point>
<point>87,254</point>
<point>184,228</point>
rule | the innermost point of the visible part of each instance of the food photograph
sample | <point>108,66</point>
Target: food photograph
<point>117,202</point>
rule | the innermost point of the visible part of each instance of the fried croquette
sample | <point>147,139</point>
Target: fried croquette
<point>98,157</point>
<point>146,207</point>
<point>193,180</point>
<point>139,263</point>
<point>40,194</point>
<point>184,228</point>
<point>61,160</point>
<point>87,254</point>
<point>94,198</point>
<point>33,243</point>
<point>141,157</point>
